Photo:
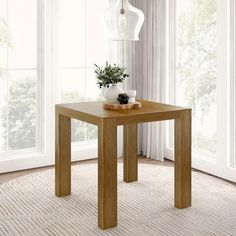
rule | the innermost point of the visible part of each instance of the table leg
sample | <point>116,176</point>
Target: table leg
<point>63,155</point>
<point>107,174</point>
<point>130,153</point>
<point>183,160</point>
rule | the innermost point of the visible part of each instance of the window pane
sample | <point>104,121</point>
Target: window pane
<point>93,93</point>
<point>22,23</point>
<point>91,132</point>
<point>72,85</point>
<point>196,69</point>
<point>3,104</point>
<point>97,44</point>
<point>81,45</point>
<point>18,111</point>
<point>20,116</point>
<point>72,33</point>
<point>4,34</point>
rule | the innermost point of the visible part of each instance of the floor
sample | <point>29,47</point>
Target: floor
<point>141,159</point>
<point>145,206</point>
<point>13,175</point>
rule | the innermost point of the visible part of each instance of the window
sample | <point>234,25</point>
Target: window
<point>196,69</point>
<point>81,45</point>
<point>21,77</point>
<point>47,51</point>
<point>201,76</point>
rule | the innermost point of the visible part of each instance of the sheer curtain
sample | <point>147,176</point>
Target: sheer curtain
<point>148,72</point>
<point>145,62</point>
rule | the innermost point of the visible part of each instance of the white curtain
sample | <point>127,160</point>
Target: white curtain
<point>150,73</point>
<point>145,62</point>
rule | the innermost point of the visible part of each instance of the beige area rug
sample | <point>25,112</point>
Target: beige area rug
<point>28,205</point>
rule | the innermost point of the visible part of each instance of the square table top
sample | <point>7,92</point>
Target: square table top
<point>93,112</point>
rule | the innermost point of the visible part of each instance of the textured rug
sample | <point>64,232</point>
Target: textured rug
<point>28,205</point>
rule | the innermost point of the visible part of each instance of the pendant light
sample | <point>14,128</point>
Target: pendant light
<point>123,21</point>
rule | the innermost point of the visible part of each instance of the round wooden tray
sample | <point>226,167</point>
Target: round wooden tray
<point>117,106</point>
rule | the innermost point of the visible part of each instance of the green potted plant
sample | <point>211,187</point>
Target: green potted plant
<point>108,77</point>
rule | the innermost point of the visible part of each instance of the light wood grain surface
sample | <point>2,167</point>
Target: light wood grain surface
<point>107,174</point>
<point>130,153</point>
<point>93,112</point>
<point>107,122</point>
<point>63,155</point>
<point>183,160</point>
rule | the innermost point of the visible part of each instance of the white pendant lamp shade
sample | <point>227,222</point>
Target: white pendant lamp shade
<point>123,21</point>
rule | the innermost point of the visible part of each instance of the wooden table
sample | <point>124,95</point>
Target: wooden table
<point>107,122</point>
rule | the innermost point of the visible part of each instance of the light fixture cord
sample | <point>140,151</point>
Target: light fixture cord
<point>122,10</point>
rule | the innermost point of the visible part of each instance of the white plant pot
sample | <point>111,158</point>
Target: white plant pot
<point>111,94</point>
